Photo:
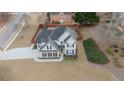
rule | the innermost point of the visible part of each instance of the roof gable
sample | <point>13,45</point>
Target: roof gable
<point>52,43</point>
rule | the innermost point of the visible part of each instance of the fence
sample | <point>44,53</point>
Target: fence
<point>76,26</point>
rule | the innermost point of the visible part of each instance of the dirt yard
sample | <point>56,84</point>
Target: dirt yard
<point>4,19</point>
<point>25,36</point>
<point>99,35</point>
<point>77,69</point>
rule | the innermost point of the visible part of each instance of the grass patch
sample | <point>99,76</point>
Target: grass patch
<point>93,53</point>
<point>69,61</point>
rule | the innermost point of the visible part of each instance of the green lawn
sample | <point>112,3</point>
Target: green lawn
<point>93,53</point>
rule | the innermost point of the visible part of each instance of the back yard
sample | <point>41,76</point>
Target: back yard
<point>99,34</point>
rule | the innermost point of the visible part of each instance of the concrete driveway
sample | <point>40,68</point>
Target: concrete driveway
<point>17,53</point>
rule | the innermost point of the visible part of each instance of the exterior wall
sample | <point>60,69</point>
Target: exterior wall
<point>58,17</point>
<point>69,46</point>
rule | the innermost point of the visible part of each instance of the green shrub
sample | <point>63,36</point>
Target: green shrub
<point>115,46</point>
<point>93,53</point>
<point>53,22</point>
<point>109,51</point>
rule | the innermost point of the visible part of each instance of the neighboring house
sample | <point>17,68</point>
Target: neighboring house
<point>61,17</point>
<point>54,43</point>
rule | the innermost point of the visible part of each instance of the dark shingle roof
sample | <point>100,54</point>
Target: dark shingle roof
<point>52,43</point>
<point>58,32</point>
<point>49,36</point>
<point>43,36</point>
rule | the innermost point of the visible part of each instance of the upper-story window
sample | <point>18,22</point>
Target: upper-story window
<point>66,51</point>
<point>61,42</point>
<point>47,47</point>
<point>50,47</point>
<point>73,44</point>
<point>70,45</point>
<point>69,51</point>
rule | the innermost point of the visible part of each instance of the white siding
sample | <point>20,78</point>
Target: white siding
<point>69,45</point>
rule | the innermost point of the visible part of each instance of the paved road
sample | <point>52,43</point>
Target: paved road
<point>12,28</point>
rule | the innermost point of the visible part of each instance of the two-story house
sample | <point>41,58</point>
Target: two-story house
<point>54,43</point>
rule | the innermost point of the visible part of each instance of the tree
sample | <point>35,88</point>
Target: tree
<point>86,17</point>
<point>48,15</point>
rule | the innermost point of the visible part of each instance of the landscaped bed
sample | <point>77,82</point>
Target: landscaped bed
<point>93,53</point>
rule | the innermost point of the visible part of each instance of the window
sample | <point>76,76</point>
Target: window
<point>47,47</point>
<point>61,42</point>
<point>50,47</point>
<point>66,51</point>
<point>67,45</point>
<point>70,45</point>
<point>50,54</point>
<point>54,54</point>
<point>70,52</point>
<point>44,55</point>
<point>73,44</point>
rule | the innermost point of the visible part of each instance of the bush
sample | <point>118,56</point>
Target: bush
<point>86,17</point>
<point>53,22</point>
<point>109,51</point>
<point>115,46</point>
<point>93,53</point>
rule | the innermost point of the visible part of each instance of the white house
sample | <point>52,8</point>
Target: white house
<point>57,42</point>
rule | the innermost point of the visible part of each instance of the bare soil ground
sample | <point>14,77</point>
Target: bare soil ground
<point>4,22</point>
<point>99,35</point>
<point>77,69</point>
<point>25,36</point>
